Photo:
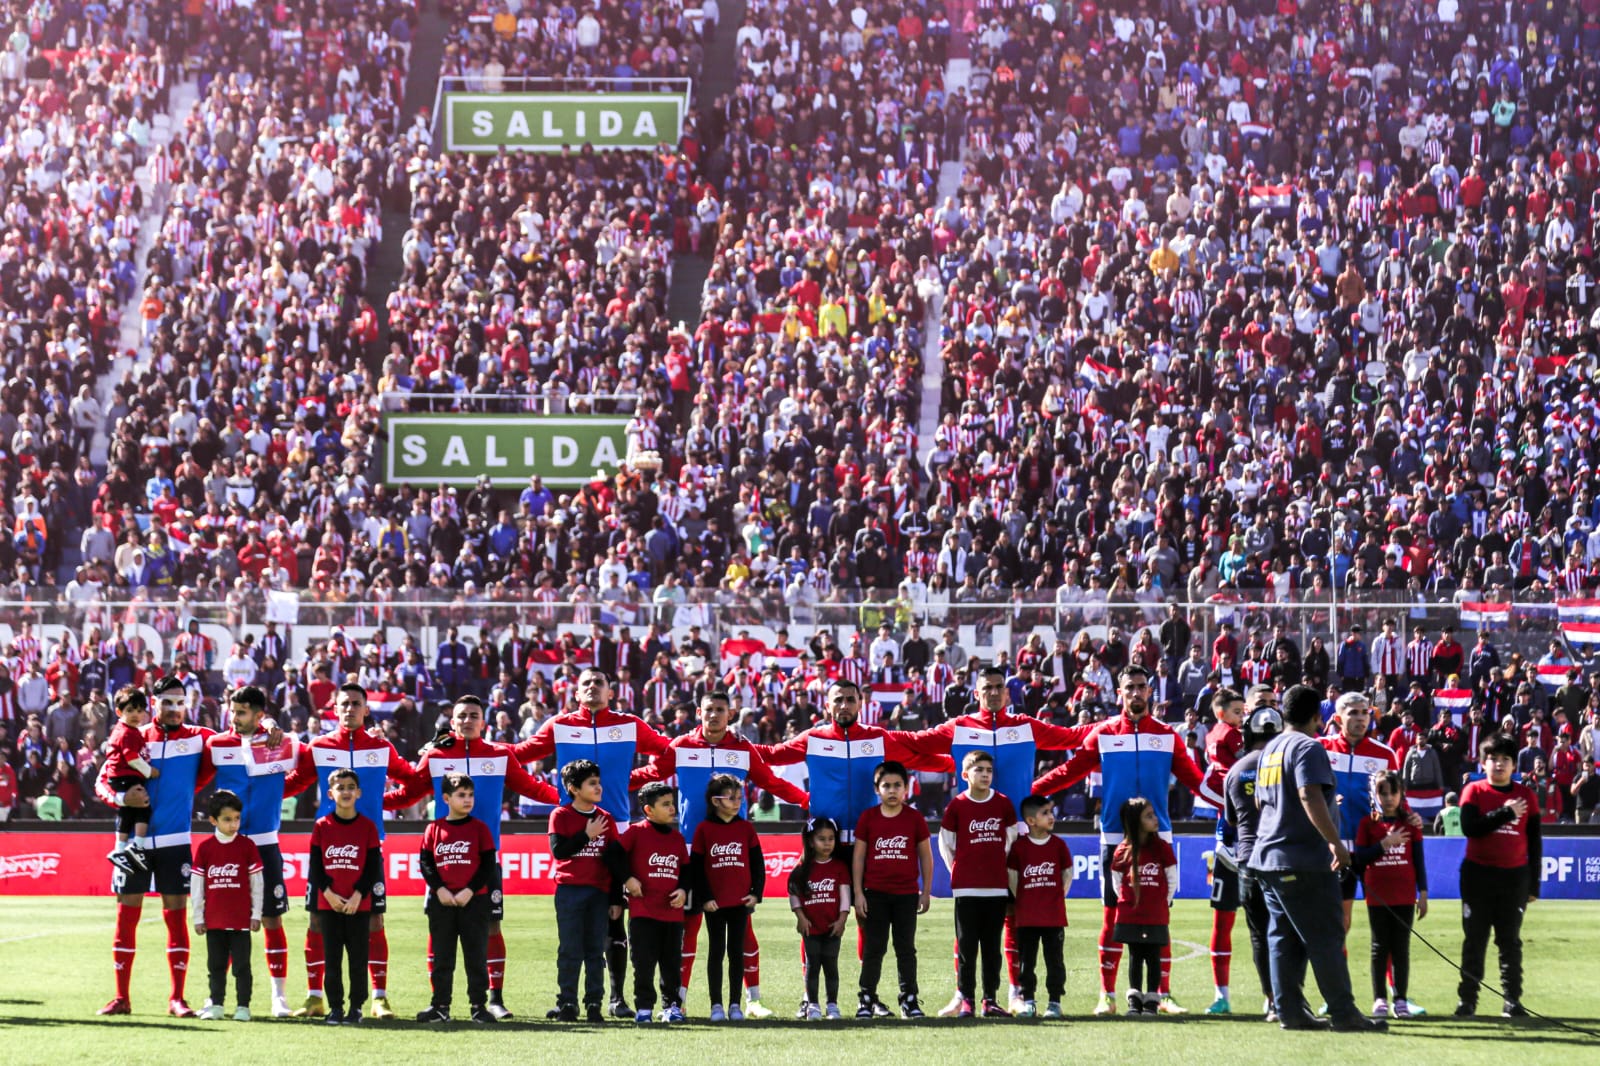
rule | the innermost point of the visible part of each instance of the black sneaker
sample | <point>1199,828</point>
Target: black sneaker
<point>498,1008</point>
<point>620,1008</point>
<point>909,1008</point>
<point>864,1011</point>
<point>1152,1005</point>
<point>122,861</point>
<point>879,1010</point>
<point>354,1017</point>
<point>139,859</point>
<point>481,1016</point>
<point>1512,1009</point>
<point>335,1017</point>
<point>593,1014</point>
<point>1305,1023</point>
<point>566,1012</point>
<point>1465,1009</point>
<point>1358,1023</point>
<point>434,1015</point>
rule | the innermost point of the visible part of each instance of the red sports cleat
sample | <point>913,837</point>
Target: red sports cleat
<point>118,1005</point>
<point>179,1009</point>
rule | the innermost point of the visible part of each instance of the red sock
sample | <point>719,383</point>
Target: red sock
<point>313,962</point>
<point>955,956</point>
<point>861,944</point>
<point>430,956</point>
<point>1166,969</point>
<point>691,941</point>
<point>752,956</point>
<point>1110,953</point>
<point>378,959</point>
<point>497,961</point>
<point>177,949</point>
<point>1221,946</point>
<point>1013,967</point>
<point>122,946</point>
<point>277,952</point>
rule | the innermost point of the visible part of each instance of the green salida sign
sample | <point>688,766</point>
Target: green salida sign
<point>544,122</point>
<point>454,449</point>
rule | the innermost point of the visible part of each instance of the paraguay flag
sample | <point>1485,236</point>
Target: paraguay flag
<point>1485,615</point>
<point>1587,633</point>
<point>1274,199</point>
<point>1555,675</point>
<point>384,704</point>
<point>1099,374</point>
<point>1458,701</point>
<point>885,698</point>
<point>1578,610</point>
<point>1427,802</point>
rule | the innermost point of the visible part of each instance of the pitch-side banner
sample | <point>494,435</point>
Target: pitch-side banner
<point>548,122</point>
<point>37,863</point>
<point>454,449</point>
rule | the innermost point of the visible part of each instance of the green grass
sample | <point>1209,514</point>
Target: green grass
<point>55,955</point>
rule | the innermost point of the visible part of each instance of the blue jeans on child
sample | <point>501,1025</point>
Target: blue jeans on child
<point>582,913</point>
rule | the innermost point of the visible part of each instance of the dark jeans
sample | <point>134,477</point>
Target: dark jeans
<point>344,936</point>
<point>617,955</point>
<point>1391,943</point>
<point>980,927</point>
<point>1144,967</point>
<point>726,926</point>
<point>582,913</point>
<point>470,926</point>
<point>1306,924</point>
<point>1254,905</point>
<point>822,967</point>
<point>222,947</point>
<point>1030,938</point>
<point>896,915</point>
<point>657,949</point>
<point>1492,900</point>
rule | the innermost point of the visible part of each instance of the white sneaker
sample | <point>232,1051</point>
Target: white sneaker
<point>211,1013</point>
<point>1380,1008</point>
<point>949,1009</point>
<point>280,1007</point>
<point>1017,1004</point>
<point>242,1014</point>
<point>813,1012</point>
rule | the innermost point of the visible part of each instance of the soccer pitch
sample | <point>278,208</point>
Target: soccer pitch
<point>56,955</point>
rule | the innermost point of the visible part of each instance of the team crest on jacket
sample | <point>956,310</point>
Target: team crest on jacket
<point>1012,734</point>
<point>614,733</point>
<point>378,889</point>
<point>183,747</point>
<point>868,748</point>
<point>373,757</point>
<point>495,896</point>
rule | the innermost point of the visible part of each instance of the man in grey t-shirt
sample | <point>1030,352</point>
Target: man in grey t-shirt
<point>1291,862</point>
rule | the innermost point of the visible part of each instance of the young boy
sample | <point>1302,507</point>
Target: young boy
<point>657,889</point>
<point>1040,871</point>
<point>892,852</point>
<point>975,836</point>
<point>1499,876</point>
<point>346,862</point>
<point>126,767</point>
<point>590,867</point>
<point>458,858</point>
<point>226,893</point>
<point>728,873</point>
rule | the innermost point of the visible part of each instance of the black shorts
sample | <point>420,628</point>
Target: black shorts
<point>1108,895</point>
<point>1129,933</point>
<point>1225,893</point>
<point>497,896</point>
<point>1348,882</point>
<point>168,874</point>
<point>274,896</point>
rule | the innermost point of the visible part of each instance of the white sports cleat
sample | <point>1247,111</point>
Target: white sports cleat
<point>1106,1004</point>
<point>754,1009</point>
<point>211,1013</point>
<point>949,1009</point>
<point>280,1007</point>
<point>1015,1007</point>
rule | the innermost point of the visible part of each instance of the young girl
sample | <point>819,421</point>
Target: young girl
<point>728,872</point>
<point>1144,875</point>
<point>1388,855</point>
<point>819,895</point>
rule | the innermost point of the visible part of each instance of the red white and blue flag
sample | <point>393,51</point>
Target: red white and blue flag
<point>1485,615</point>
<point>1458,701</point>
<point>1099,374</point>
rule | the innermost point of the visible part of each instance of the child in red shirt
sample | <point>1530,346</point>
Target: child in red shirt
<point>125,768</point>
<point>1040,871</point>
<point>457,861</point>
<point>892,852</point>
<point>590,867</point>
<point>1388,855</point>
<point>819,896</point>
<point>1144,875</point>
<point>346,863</point>
<point>657,889</point>
<point>226,888</point>
<point>729,873</point>
<point>975,837</point>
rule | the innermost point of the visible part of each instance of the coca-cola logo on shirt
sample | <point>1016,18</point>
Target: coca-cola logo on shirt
<point>222,870</point>
<point>988,825</point>
<point>342,851</point>
<point>731,850</point>
<point>899,843</point>
<point>663,862</point>
<point>824,887</point>
<point>1039,870</point>
<point>1150,871</point>
<point>452,847</point>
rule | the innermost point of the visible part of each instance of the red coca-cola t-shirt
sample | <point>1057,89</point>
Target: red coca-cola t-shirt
<point>659,858</point>
<point>1151,877</point>
<point>1044,869</point>
<point>226,869</point>
<point>344,847</point>
<point>982,831</point>
<point>1390,879</point>
<point>457,850</point>
<point>891,845</point>
<point>827,888</point>
<point>1507,847</point>
<point>587,867</point>
<point>730,858</point>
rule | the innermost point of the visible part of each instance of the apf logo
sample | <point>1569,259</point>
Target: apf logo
<point>614,733</point>
<point>33,866</point>
<point>1012,734</point>
<point>869,748</point>
<point>374,757</point>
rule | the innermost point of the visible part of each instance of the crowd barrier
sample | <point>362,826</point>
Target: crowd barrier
<point>35,863</point>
